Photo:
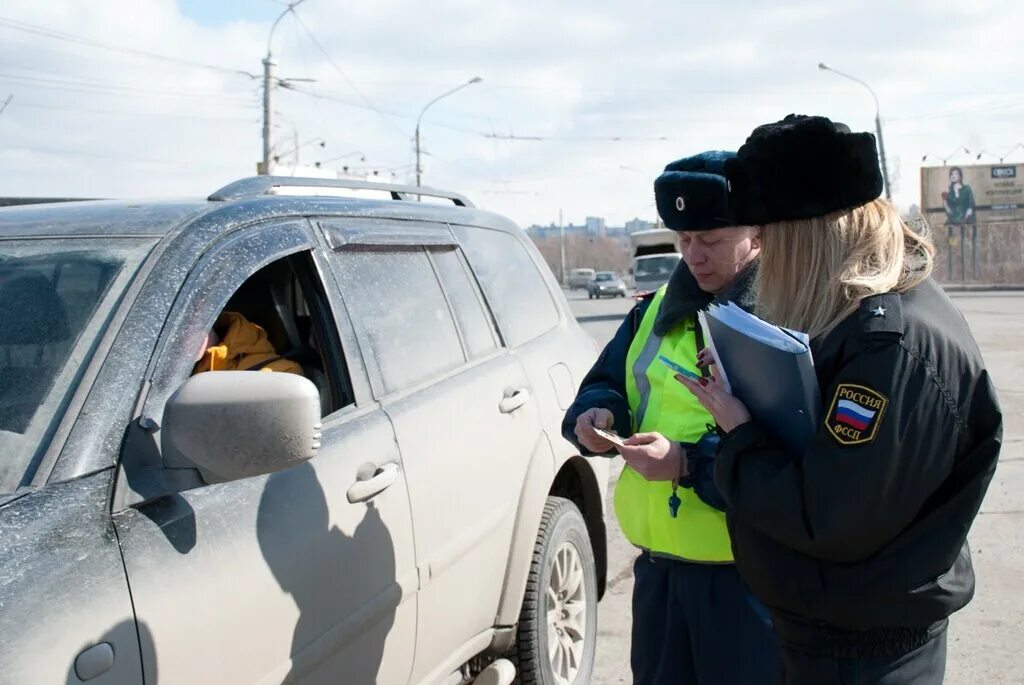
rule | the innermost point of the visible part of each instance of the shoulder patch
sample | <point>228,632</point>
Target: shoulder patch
<point>881,314</point>
<point>855,414</point>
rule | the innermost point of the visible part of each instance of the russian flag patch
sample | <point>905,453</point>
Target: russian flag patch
<point>855,414</point>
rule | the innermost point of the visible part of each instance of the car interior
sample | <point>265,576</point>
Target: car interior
<point>286,300</point>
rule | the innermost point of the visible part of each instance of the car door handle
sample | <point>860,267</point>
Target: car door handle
<point>513,400</point>
<point>382,479</point>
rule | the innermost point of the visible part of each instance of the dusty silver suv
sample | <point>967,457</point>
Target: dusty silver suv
<point>399,509</point>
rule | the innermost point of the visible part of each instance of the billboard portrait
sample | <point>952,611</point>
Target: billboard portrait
<point>972,194</point>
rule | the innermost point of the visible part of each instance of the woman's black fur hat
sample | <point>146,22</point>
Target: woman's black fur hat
<point>802,167</point>
<point>693,194</point>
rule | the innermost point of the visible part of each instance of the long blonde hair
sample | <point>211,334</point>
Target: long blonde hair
<point>814,272</point>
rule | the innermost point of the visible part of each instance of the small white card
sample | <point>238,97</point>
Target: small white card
<point>613,438</point>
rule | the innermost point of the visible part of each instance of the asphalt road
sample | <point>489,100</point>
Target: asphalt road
<point>985,638</point>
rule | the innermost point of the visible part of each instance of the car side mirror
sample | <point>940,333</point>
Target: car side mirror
<point>237,424</point>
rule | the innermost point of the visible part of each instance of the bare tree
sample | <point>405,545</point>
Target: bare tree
<point>601,254</point>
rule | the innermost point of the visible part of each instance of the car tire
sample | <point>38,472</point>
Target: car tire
<point>557,633</point>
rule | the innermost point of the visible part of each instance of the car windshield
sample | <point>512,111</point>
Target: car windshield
<point>605,276</point>
<point>51,291</point>
<point>656,267</point>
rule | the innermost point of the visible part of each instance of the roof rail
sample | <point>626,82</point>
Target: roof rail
<point>256,186</point>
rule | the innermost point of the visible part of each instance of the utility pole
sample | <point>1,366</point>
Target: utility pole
<point>268,86</point>
<point>268,75</point>
<point>561,245</point>
<point>419,166</point>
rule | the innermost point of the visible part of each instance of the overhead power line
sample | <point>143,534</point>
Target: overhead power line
<point>485,134</point>
<point>92,85</point>
<point>128,113</point>
<point>362,96</point>
<point>89,42</point>
<point>964,111</point>
<point>612,139</point>
<point>123,91</point>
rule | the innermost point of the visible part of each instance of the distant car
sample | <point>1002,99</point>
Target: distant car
<point>400,513</point>
<point>606,284</point>
<point>578,278</point>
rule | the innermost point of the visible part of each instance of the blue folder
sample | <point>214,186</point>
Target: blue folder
<point>769,368</point>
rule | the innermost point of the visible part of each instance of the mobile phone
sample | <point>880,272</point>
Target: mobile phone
<point>678,369</point>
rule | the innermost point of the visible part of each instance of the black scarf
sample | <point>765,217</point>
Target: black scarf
<point>684,298</point>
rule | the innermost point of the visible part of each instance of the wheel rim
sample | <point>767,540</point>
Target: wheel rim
<point>567,614</point>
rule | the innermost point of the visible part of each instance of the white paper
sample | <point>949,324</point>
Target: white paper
<point>749,325</point>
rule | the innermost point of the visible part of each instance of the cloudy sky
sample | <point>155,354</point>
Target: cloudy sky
<point>581,104</point>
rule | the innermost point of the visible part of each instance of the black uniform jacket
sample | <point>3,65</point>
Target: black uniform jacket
<point>859,544</point>
<point>605,385</point>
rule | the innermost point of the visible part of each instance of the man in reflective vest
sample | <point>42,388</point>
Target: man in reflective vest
<point>694,621</point>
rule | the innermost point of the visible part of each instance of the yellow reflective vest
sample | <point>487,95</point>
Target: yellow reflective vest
<point>658,402</point>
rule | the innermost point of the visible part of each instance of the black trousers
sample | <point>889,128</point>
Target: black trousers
<point>698,624</point>
<point>925,665</point>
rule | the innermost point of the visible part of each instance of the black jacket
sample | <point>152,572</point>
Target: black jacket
<point>605,385</point>
<point>859,544</point>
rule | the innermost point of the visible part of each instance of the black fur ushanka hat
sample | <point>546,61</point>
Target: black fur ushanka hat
<point>802,167</point>
<point>693,194</point>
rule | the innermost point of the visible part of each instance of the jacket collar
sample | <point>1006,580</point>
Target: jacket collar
<point>684,298</point>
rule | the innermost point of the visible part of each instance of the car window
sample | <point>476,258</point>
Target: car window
<point>279,320</point>
<point>470,313</point>
<point>512,283</point>
<point>51,293</point>
<point>268,278</point>
<point>605,277</point>
<point>397,303</point>
<point>656,266</point>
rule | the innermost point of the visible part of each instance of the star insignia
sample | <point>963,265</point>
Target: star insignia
<point>878,311</point>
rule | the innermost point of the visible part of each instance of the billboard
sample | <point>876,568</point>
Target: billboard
<point>972,194</point>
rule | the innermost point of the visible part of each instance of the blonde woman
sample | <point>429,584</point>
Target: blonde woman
<point>858,544</point>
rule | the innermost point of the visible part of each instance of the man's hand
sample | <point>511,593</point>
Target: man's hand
<point>653,456</point>
<point>585,424</point>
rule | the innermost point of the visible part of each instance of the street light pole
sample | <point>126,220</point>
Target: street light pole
<point>268,74</point>
<point>268,80</point>
<point>878,125</point>
<point>419,165</point>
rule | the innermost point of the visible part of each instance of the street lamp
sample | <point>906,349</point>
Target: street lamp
<point>878,124</point>
<point>298,146</point>
<point>949,156</point>
<point>362,157</point>
<point>419,166</point>
<point>1005,155</point>
<point>268,77</point>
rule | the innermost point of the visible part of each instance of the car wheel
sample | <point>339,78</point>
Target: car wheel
<point>590,295</point>
<point>557,632</point>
